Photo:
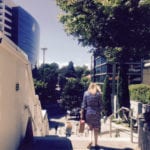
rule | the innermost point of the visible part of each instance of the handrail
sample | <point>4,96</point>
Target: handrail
<point>130,114</point>
<point>29,111</point>
<point>122,108</point>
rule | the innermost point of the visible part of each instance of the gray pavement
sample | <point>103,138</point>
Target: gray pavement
<point>122,141</point>
<point>80,141</point>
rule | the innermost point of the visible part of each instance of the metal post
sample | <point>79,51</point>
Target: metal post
<point>113,78</point>
<point>113,86</point>
<point>94,64</point>
<point>110,130</point>
<point>131,123</point>
<point>44,49</point>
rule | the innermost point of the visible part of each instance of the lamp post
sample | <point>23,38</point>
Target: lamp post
<point>43,49</point>
<point>113,78</point>
<point>114,97</point>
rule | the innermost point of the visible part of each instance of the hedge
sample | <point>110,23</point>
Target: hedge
<point>140,92</point>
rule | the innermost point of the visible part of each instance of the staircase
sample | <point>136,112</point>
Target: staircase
<point>80,141</point>
<point>118,139</point>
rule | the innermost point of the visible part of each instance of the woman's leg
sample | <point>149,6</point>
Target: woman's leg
<point>96,133</point>
<point>90,137</point>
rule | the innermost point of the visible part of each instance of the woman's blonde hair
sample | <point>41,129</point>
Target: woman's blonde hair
<point>94,88</point>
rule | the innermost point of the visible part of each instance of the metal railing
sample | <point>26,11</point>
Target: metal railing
<point>130,117</point>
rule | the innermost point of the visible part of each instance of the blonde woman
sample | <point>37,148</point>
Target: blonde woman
<point>92,106</point>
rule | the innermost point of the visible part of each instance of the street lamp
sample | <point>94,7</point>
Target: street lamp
<point>113,96</point>
<point>44,49</point>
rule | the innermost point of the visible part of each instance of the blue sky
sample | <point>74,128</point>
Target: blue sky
<point>60,47</point>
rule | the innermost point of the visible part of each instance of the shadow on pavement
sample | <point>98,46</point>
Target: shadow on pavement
<point>48,143</point>
<point>52,124</point>
<point>113,131</point>
<point>107,148</point>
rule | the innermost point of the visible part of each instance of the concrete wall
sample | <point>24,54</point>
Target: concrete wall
<point>137,108</point>
<point>17,106</point>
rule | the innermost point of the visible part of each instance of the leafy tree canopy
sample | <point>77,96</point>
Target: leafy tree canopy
<point>72,93</point>
<point>82,71</point>
<point>70,72</point>
<point>116,28</point>
<point>45,80</point>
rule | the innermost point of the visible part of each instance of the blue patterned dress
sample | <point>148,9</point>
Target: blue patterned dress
<point>92,104</point>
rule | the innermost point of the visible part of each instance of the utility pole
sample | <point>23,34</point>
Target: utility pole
<point>113,78</point>
<point>44,49</point>
<point>113,96</point>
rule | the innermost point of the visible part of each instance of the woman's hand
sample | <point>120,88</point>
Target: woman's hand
<point>81,114</point>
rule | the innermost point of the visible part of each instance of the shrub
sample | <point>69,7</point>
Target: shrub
<point>107,97</point>
<point>123,88</point>
<point>140,92</point>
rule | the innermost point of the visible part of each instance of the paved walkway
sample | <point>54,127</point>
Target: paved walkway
<point>120,140</point>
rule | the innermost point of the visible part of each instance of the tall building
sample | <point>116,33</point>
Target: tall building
<point>6,17</point>
<point>25,33</point>
<point>18,25</point>
<point>103,68</point>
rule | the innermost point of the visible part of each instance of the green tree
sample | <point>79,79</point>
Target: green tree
<point>73,82</point>
<point>81,71</point>
<point>40,89</point>
<point>70,72</point>
<point>47,76</point>
<point>122,89</point>
<point>85,81</point>
<point>106,97</point>
<point>116,28</point>
<point>35,73</point>
<point>61,77</point>
<point>72,94</point>
<point>51,78</point>
<point>45,80</point>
